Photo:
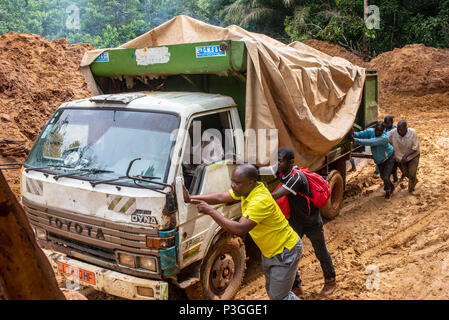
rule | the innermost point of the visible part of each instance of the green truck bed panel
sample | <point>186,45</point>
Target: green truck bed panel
<point>189,58</point>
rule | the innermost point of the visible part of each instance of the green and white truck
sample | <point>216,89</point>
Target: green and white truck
<point>102,186</point>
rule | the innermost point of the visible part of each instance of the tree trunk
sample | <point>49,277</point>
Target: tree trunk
<point>366,53</point>
<point>392,31</point>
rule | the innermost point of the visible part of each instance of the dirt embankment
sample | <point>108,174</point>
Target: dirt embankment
<point>415,69</point>
<point>36,76</point>
<point>335,50</point>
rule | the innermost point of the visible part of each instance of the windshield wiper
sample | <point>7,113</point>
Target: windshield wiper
<point>94,183</point>
<point>84,172</point>
<point>48,167</point>
<point>139,178</point>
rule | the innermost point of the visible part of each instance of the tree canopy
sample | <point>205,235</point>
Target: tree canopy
<point>109,23</point>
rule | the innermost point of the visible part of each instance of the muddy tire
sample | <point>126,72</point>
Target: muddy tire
<point>222,271</point>
<point>334,203</point>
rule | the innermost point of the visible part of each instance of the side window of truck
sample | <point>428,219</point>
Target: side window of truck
<point>211,140</point>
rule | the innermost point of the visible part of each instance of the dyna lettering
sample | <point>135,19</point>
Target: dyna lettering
<point>143,218</point>
<point>76,227</point>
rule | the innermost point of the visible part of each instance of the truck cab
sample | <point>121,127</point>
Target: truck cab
<point>122,223</point>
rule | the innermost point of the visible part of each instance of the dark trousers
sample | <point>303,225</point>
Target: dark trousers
<point>394,172</point>
<point>385,169</point>
<point>409,169</point>
<point>315,233</point>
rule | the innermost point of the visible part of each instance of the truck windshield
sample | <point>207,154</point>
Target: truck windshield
<point>105,141</point>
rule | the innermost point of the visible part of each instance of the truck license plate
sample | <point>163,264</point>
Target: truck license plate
<point>85,276</point>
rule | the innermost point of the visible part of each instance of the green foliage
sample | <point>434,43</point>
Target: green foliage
<point>342,22</point>
<point>102,23</point>
<point>262,16</point>
<point>110,23</point>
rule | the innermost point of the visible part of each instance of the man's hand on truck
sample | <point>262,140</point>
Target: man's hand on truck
<point>202,206</point>
<point>211,198</point>
<point>239,228</point>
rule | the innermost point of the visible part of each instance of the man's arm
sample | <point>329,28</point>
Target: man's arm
<point>280,192</point>
<point>211,198</point>
<point>373,141</point>
<point>361,134</point>
<point>408,154</point>
<point>294,184</point>
<point>239,228</point>
<point>391,133</point>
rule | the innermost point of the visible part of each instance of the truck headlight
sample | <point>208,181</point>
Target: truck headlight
<point>127,259</point>
<point>147,263</point>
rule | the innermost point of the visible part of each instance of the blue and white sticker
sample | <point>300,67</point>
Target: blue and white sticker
<point>104,57</point>
<point>209,51</point>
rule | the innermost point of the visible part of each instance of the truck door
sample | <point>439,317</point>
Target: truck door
<point>211,174</point>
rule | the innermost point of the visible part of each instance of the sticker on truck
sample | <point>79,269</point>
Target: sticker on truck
<point>104,57</point>
<point>148,56</point>
<point>121,204</point>
<point>85,276</point>
<point>209,51</point>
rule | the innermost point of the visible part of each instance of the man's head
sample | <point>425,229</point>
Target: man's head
<point>379,128</point>
<point>402,128</point>
<point>388,121</point>
<point>286,158</point>
<point>244,179</point>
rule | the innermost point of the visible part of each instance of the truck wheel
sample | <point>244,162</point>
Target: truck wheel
<point>222,271</point>
<point>334,203</point>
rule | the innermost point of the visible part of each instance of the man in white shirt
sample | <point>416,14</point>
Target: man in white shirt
<point>406,148</point>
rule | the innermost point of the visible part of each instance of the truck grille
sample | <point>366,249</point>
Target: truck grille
<point>90,250</point>
<point>90,239</point>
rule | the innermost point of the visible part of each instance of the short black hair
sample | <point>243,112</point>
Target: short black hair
<point>380,124</point>
<point>388,118</point>
<point>402,123</point>
<point>249,171</point>
<point>286,153</point>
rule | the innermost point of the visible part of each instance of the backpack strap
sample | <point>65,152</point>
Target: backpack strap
<point>294,171</point>
<point>307,198</point>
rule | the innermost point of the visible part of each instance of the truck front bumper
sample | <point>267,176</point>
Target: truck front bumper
<point>108,281</point>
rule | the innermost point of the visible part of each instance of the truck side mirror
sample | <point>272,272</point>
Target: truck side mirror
<point>268,170</point>
<point>170,203</point>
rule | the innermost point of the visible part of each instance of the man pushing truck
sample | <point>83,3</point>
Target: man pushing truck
<point>261,217</point>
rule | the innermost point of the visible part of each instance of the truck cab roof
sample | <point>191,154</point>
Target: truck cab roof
<point>182,103</point>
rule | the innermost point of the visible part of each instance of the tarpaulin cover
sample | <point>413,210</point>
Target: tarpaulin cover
<point>310,97</point>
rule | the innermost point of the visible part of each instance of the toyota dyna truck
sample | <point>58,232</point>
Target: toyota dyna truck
<point>102,186</point>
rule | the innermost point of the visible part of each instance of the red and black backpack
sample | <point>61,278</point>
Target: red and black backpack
<point>319,189</point>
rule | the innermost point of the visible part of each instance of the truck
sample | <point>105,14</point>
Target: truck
<point>102,186</point>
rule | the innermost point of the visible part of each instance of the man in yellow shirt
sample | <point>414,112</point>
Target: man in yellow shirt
<point>280,245</point>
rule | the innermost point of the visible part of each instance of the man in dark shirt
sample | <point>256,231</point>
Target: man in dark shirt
<point>303,220</point>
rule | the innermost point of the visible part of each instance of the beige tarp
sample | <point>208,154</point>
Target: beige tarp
<point>310,97</point>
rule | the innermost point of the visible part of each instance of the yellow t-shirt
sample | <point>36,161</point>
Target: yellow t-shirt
<point>272,233</point>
